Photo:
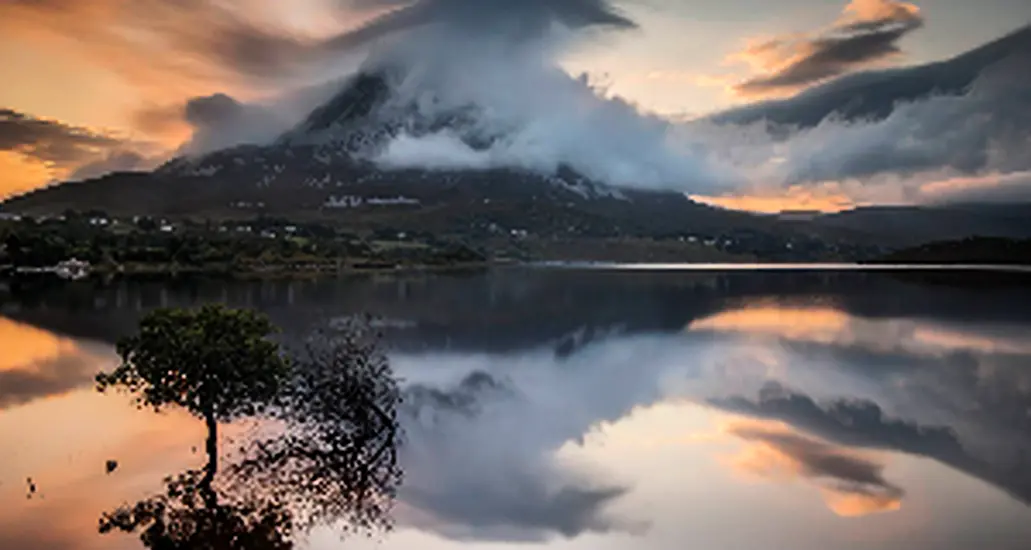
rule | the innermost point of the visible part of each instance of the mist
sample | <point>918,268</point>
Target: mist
<point>498,63</point>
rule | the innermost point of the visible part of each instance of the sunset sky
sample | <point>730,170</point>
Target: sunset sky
<point>88,81</point>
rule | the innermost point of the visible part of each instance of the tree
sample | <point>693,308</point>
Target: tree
<point>333,460</point>
<point>217,363</point>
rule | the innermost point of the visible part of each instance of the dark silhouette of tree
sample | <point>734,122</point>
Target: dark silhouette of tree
<point>326,452</point>
<point>336,458</point>
<point>184,518</point>
<point>217,363</point>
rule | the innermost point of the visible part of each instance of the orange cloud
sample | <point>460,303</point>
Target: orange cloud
<point>866,34</point>
<point>803,323</point>
<point>861,11</point>
<point>850,505</point>
<point>36,364</point>
<point>25,345</point>
<point>850,482</point>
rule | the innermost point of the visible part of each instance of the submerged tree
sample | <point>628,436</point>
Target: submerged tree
<point>327,451</point>
<point>217,363</point>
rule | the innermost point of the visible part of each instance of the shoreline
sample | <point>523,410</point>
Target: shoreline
<point>285,272</point>
<point>783,266</point>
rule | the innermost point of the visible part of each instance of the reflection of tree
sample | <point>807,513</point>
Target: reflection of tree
<point>336,458</point>
<point>324,449</point>
<point>191,516</point>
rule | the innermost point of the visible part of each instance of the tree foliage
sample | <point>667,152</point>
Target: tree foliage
<point>215,362</point>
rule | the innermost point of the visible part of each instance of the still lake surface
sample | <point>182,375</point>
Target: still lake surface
<point>589,409</point>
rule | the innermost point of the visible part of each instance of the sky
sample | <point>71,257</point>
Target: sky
<point>85,78</point>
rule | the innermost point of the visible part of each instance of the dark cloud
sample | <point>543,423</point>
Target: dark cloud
<point>861,423</point>
<point>868,36</point>
<point>51,377</point>
<point>836,469</point>
<point>957,130</point>
<point>518,19</point>
<point>219,121</point>
<point>51,141</point>
<point>79,152</point>
<point>202,39</point>
<point>850,422</point>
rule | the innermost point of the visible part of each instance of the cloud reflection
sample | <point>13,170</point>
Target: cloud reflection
<point>37,363</point>
<point>852,483</point>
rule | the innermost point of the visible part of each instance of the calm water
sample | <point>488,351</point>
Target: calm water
<point>590,409</point>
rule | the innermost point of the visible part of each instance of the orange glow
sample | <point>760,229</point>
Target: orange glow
<point>771,55</point>
<point>875,10</point>
<point>799,323</point>
<point>763,459</point>
<point>19,174</point>
<point>851,505</point>
<point>955,340</point>
<point>796,199</point>
<point>24,345</point>
<point>66,463</point>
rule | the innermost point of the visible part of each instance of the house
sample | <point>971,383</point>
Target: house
<point>72,269</point>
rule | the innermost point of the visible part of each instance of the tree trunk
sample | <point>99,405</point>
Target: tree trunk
<point>212,466</point>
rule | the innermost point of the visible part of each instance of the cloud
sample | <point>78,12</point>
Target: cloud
<point>993,187</point>
<point>68,151</point>
<point>517,21</point>
<point>219,121</point>
<point>190,40</point>
<point>464,482</point>
<point>975,139</point>
<point>494,66</point>
<point>38,363</point>
<point>863,424</point>
<point>51,141</point>
<point>55,376</point>
<point>867,32</point>
<point>852,484</point>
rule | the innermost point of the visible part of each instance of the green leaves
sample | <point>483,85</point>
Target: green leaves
<point>212,361</point>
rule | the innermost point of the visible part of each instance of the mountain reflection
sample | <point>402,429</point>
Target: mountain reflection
<point>642,409</point>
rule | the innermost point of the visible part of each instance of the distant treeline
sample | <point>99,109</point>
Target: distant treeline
<point>975,250</point>
<point>145,244</point>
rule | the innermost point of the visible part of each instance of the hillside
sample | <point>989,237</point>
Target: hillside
<point>976,250</point>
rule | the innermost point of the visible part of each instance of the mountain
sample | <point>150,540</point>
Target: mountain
<point>874,94</point>
<point>320,169</point>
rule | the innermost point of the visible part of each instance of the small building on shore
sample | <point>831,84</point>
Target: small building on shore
<point>72,269</point>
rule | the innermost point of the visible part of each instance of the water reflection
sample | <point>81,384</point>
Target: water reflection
<point>594,410</point>
<point>36,363</point>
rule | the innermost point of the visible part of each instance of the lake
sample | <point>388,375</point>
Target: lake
<point>588,408</point>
